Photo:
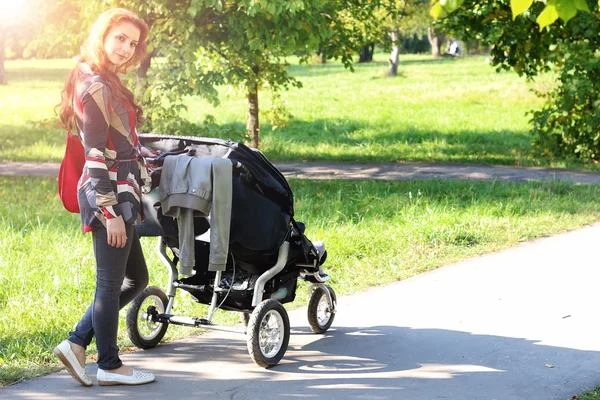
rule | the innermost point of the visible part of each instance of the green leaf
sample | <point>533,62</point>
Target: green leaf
<point>451,5</point>
<point>547,16</point>
<point>565,9</point>
<point>437,10</point>
<point>582,5</point>
<point>518,7</point>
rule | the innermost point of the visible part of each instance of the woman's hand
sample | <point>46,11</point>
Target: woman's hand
<point>150,154</point>
<point>115,232</point>
<point>147,153</point>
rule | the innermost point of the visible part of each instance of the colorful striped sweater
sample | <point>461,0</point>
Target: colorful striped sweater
<point>110,185</point>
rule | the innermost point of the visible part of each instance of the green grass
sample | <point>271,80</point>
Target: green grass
<point>589,395</point>
<point>448,110</point>
<point>376,233</point>
<point>436,110</point>
<point>29,130</point>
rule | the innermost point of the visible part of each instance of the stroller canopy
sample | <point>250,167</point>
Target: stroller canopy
<point>262,201</point>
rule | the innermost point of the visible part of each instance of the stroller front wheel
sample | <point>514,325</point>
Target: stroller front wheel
<point>142,330</point>
<point>320,312</point>
<point>268,333</point>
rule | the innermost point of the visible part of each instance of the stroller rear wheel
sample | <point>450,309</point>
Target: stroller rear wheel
<point>268,333</point>
<point>320,312</point>
<point>142,330</point>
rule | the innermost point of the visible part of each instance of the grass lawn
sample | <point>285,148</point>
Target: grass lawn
<point>589,395</point>
<point>448,110</point>
<point>376,233</point>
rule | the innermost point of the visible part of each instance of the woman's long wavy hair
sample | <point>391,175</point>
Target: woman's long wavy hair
<point>93,54</point>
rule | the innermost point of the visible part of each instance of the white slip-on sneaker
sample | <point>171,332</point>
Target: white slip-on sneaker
<point>110,378</point>
<point>67,357</point>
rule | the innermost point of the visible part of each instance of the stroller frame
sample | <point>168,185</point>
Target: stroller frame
<point>207,322</point>
<point>320,320</point>
<point>258,294</point>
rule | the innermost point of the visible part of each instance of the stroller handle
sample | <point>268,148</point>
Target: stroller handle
<point>160,158</point>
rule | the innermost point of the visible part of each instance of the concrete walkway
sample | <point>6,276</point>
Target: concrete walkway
<point>389,171</point>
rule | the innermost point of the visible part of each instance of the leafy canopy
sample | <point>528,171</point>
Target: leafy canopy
<point>553,10</point>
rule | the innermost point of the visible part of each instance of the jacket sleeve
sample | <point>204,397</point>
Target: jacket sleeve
<point>96,122</point>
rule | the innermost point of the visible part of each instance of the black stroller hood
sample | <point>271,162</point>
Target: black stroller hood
<point>268,178</point>
<point>262,201</point>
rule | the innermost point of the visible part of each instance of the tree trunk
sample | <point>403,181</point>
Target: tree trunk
<point>142,74</point>
<point>252,123</point>
<point>393,60</point>
<point>435,40</point>
<point>321,58</point>
<point>366,53</point>
<point>141,83</point>
<point>2,46</point>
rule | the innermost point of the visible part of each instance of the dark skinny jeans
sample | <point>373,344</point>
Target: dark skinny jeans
<point>121,274</point>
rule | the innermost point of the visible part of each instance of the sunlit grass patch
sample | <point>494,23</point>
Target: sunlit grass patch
<point>457,110</point>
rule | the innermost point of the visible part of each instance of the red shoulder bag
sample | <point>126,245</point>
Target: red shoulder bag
<point>70,171</point>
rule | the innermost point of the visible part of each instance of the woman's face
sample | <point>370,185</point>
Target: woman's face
<point>120,43</point>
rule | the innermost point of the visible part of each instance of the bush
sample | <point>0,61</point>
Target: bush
<point>567,125</point>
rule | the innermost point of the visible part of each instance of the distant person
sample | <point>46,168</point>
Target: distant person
<point>105,116</point>
<point>453,48</point>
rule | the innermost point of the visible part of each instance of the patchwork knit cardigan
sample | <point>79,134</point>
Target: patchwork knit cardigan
<point>114,172</point>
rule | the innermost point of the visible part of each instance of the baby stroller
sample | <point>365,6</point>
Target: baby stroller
<point>268,252</point>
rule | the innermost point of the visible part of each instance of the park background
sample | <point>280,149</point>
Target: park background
<point>435,109</point>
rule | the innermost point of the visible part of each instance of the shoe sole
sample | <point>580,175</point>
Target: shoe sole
<point>69,367</point>
<point>115,383</point>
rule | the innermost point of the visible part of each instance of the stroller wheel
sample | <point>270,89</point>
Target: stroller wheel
<point>320,312</point>
<point>142,330</point>
<point>268,333</point>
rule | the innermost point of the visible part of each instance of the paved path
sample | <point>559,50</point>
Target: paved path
<point>513,325</point>
<point>339,170</point>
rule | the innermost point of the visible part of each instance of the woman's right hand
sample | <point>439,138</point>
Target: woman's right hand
<point>115,232</point>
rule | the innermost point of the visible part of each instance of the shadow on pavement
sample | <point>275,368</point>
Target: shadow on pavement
<point>377,362</point>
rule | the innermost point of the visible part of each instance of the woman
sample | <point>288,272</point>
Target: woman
<point>105,115</point>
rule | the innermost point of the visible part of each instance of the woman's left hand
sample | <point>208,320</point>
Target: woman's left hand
<point>147,153</point>
<point>150,154</point>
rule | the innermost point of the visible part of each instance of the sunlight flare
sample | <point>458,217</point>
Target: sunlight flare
<point>13,11</point>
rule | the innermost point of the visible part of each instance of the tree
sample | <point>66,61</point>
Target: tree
<point>436,40</point>
<point>523,37</point>
<point>173,36</point>
<point>400,17</point>
<point>249,41</point>
<point>245,43</point>
<point>366,53</point>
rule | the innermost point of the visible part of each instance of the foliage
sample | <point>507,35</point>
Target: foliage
<point>593,394</point>
<point>568,122</point>
<point>204,43</point>
<point>552,9</point>
<point>249,41</point>
<point>565,127</point>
